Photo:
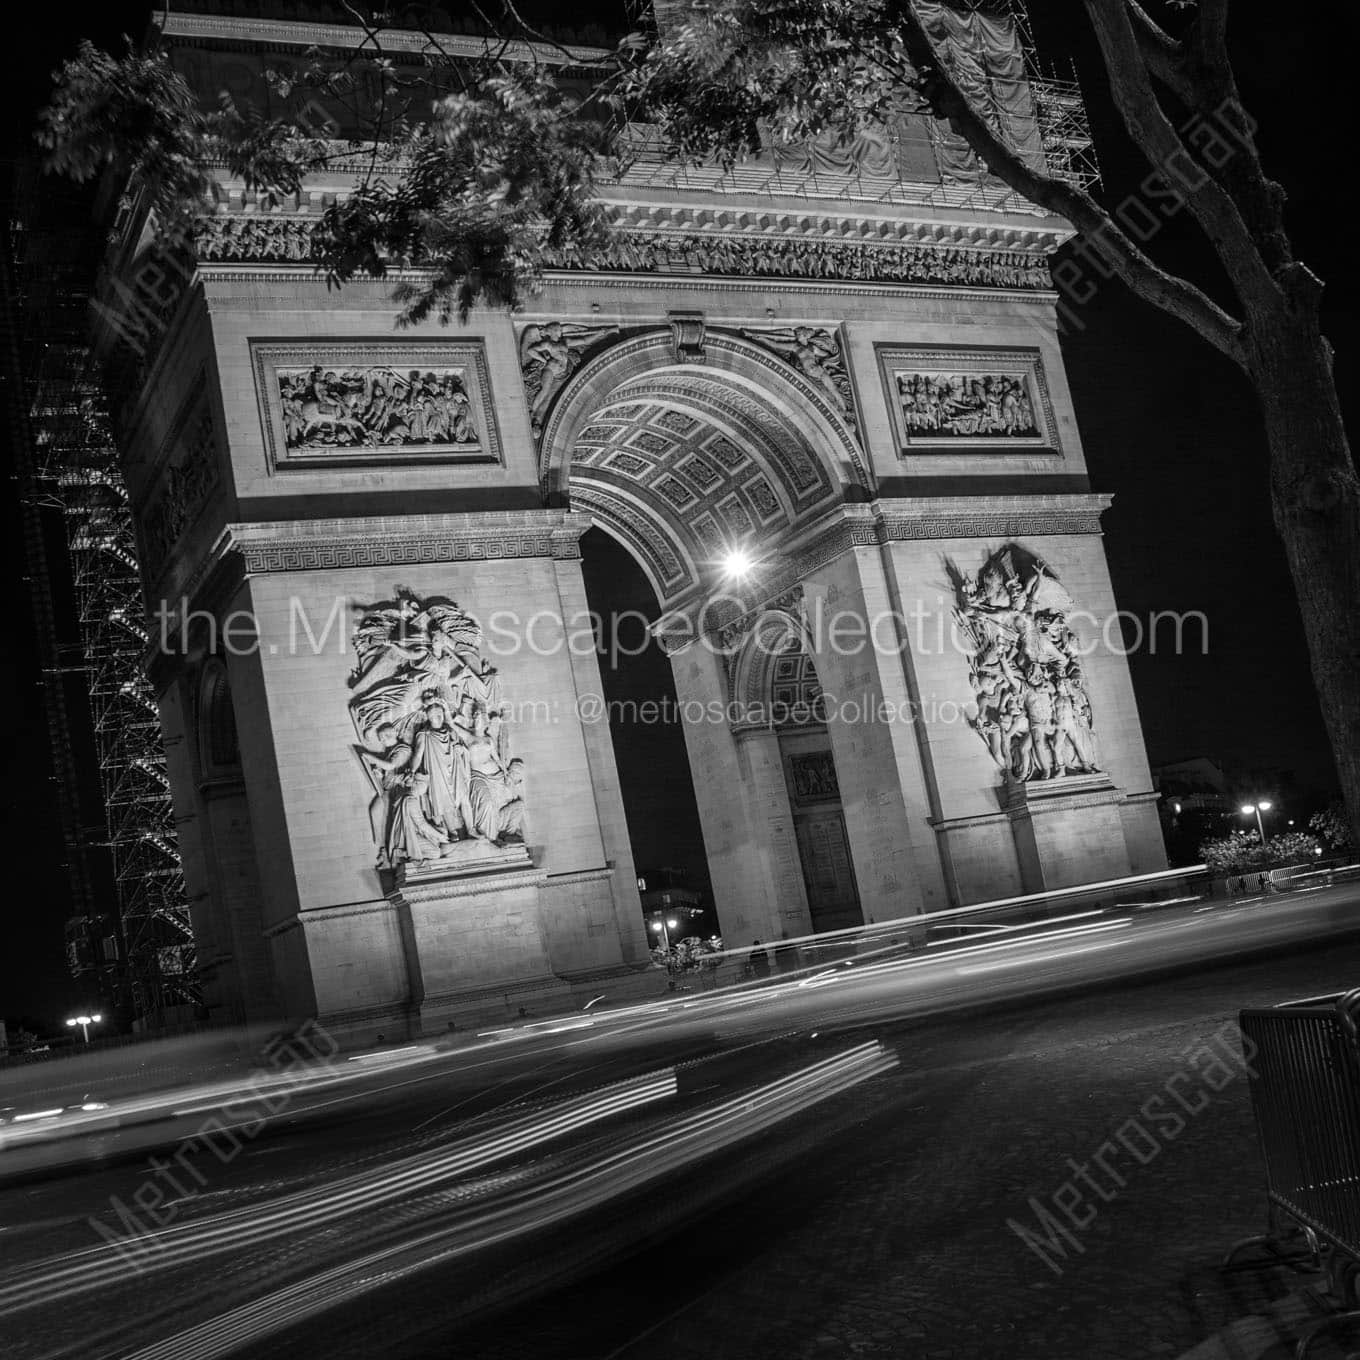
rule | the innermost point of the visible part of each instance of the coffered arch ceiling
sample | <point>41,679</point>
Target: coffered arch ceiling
<point>772,676</point>
<point>684,463</point>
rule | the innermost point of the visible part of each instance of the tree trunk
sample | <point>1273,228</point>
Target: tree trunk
<point>1315,497</point>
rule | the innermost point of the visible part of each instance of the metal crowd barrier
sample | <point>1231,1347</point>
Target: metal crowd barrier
<point>1304,1071</point>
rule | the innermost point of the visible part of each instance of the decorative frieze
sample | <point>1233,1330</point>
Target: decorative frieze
<point>374,407</point>
<point>960,398</point>
<point>733,255</point>
<point>365,405</point>
<point>286,239</point>
<point>232,239</point>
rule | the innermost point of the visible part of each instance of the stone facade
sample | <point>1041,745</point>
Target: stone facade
<point>689,400</point>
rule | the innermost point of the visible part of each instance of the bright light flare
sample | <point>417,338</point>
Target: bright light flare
<point>737,564</point>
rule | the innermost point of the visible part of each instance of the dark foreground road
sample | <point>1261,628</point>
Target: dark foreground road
<point>904,1212</point>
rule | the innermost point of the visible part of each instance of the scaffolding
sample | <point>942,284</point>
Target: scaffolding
<point>1064,127</point>
<point>137,948</point>
<point>1059,113</point>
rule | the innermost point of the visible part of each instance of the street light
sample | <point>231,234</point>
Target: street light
<point>85,1021</point>
<point>1258,808</point>
<point>665,928</point>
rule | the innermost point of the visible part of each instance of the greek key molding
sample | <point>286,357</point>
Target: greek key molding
<point>393,542</point>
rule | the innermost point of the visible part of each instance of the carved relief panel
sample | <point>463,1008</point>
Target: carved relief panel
<point>371,405</point>
<point>967,399</point>
<point>428,712</point>
<point>816,353</point>
<point>1030,708</point>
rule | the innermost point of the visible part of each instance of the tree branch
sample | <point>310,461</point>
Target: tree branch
<point>1162,54</point>
<point>1125,258</point>
<point>1209,202</point>
<point>1211,28</point>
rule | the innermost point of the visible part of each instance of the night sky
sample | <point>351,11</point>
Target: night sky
<point>1169,428</point>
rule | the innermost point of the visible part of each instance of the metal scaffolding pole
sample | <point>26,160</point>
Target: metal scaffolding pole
<point>138,947</point>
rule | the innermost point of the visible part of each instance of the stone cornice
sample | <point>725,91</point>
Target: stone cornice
<point>851,223</point>
<point>404,540</point>
<point>339,912</point>
<point>854,223</point>
<point>580,876</point>
<point>990,516</point>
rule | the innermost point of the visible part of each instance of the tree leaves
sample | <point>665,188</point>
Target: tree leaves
<point>134,116</point>
<point>503,169</point>
<point>745,71</point>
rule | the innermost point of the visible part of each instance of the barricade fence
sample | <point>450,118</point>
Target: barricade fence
<point>1304,1075</point>
<point>708,969</point>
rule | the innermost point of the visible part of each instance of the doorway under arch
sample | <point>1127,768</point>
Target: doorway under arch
<point>683,463</point>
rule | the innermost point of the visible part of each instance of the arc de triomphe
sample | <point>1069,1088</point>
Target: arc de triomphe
<point>396,795</point>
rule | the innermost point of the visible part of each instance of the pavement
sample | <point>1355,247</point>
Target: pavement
<point>894,1238</point>
<point>911,1214</point>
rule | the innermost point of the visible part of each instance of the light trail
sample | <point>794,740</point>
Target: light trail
<point>568,1194</point>
<point>233,1231</point>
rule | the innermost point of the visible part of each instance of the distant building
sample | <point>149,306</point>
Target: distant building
<point>667,894</point>
<point>1199,784</point>
<point>1203,798</point>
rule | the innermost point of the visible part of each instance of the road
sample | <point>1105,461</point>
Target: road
<point>852,1161</point>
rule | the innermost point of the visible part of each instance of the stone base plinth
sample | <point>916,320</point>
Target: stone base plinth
<point>474,941</point>
<point>462,859</point>
<point>1067,830</point>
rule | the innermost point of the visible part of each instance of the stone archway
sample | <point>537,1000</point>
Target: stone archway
<point>683,456</point>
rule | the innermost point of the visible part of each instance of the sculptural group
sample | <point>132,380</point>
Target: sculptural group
<point>428,712</point>
<point>1032,709</point>
<point>375,406</point>
<point>966,405</point>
